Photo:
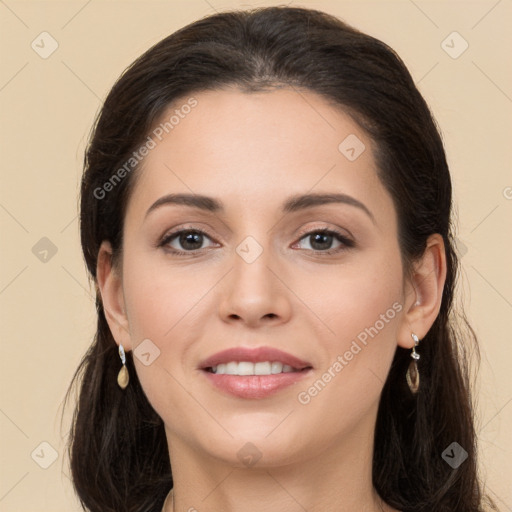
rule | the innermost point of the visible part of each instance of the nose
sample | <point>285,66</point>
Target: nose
<point>254,295</point>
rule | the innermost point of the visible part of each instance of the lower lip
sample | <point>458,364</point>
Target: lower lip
<point>255,386</point>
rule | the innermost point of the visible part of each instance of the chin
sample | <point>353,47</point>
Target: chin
<point>255,447</point>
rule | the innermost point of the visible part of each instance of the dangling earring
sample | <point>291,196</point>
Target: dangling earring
<point>413,375</point>
<point>123,377</point>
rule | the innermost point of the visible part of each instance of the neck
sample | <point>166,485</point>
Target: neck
<point>338,479</point>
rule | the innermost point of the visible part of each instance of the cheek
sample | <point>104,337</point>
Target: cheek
<point>363,307</point>
<point>158,298</point>
<point>166,306</point>
<point>354,298</point>
<point>162,306</point>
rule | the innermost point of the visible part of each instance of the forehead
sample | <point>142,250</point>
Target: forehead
<point>258,146</point>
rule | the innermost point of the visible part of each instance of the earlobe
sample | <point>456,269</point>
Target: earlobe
<point>110,286</point>
<point>423,301</point>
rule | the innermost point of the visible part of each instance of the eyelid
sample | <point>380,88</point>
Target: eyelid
<point>173,232</point>
<point>345,239</point>
<point>323,227</point>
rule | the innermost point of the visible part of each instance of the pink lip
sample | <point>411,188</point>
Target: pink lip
<point>255,386</point>
<point>254,355</point>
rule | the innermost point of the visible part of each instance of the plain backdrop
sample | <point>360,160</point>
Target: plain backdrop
<point>59,60</point>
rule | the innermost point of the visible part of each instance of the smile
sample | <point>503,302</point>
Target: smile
<point>248,368</point>
<point>253,373</point>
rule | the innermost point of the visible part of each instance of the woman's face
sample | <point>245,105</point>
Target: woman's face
<point>254,273</point>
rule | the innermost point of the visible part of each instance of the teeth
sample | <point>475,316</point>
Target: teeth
<point>248,368</point>
<point>262,368</point>
<point>276,367</point>
<point>245,368</point>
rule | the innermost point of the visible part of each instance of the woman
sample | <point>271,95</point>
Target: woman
<point>266,215</point>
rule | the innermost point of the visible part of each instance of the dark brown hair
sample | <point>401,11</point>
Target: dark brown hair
<point>118,449</point>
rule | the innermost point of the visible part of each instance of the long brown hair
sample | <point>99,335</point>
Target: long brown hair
<point>118,449</point>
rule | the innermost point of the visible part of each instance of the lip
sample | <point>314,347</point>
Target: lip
<point>254,386</point>
<point>254,355</point>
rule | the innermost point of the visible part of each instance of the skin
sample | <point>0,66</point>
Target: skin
<point>253,151</point>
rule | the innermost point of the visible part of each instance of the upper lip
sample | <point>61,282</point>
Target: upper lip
<point>254,355</point>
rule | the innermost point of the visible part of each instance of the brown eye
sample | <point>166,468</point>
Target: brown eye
<point>186,240</point>
<point>321,240</point>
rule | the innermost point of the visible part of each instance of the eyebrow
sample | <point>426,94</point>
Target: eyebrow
<point>292,204</point>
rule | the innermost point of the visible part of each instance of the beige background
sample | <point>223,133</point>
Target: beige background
<point>47,109</point>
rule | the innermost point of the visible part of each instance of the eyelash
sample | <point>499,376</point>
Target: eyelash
<point>347,242</point>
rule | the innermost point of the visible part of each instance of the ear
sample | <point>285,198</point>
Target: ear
<point>110,285</point>
<point>424,292</point>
